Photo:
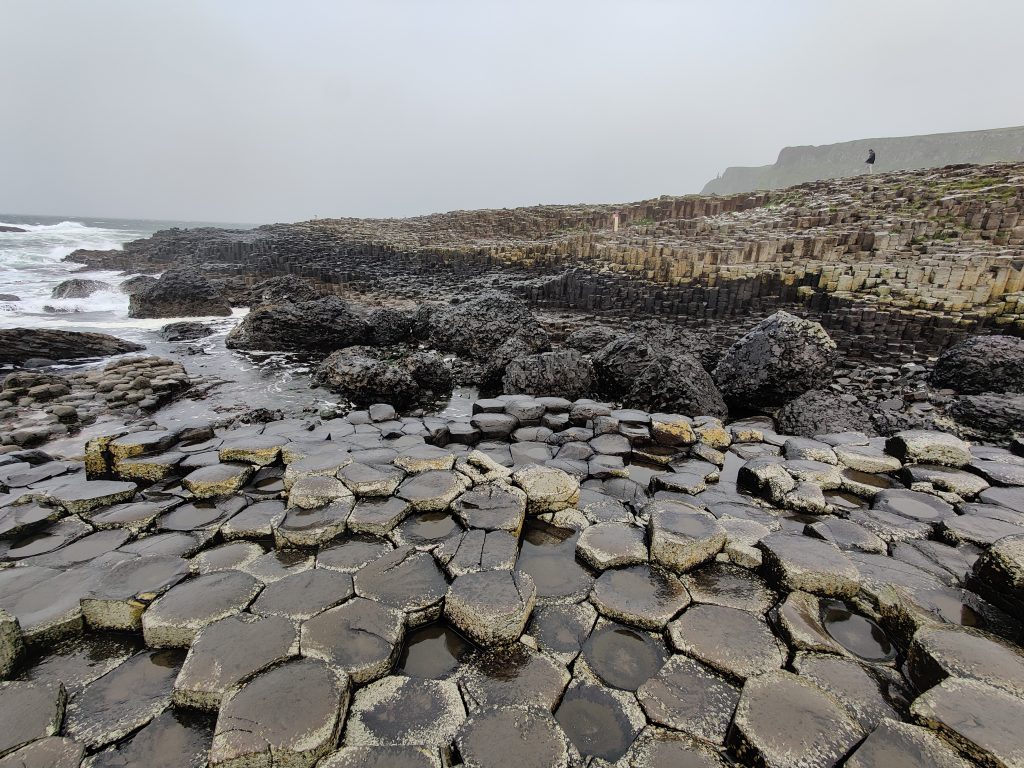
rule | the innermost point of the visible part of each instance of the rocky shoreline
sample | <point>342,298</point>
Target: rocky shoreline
<point>669,531</point>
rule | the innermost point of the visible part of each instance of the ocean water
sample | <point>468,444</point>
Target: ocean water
<point>32,265</point>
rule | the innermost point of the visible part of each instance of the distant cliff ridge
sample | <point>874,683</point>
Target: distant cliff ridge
<point>832,161</point>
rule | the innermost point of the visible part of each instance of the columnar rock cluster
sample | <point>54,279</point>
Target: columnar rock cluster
<point>908,261</point>
<point>544,582</point>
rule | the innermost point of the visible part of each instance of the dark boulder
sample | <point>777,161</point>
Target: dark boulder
<point>76,288</point>
<point>367,375</point>
<point>277,290</point>
<point>529,341</point>
<point>592,339</point>
<point>10,229</point>
<point>645,376</point>
<point>179,293</point>
<point>186,330</point>
<point>676,384</point>
<point>670,339</point>
<point>819,412</point>
<point>563,373</point>
<point>479,326</point>
<point>18,345</point>
<point>322,325</point>
<point>780,358</point>
<point>389,326</point>
<point>989,417</point>
<point>136,284</point>
<point>982,364</point>
<point>9,297</point>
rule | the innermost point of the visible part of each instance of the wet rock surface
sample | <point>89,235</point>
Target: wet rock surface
<point>466,591</point>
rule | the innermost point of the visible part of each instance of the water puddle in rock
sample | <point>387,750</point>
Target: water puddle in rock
<point>593,720</point>
<point>857,634</point>
<point>428,527</point>
<point>623,657</point>
<point>549,556</point>
<point>842,500</point>
<point>434,650</point>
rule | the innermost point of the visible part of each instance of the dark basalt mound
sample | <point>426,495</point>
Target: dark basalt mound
<point>819,412</point>
<point>76,288</point>
<point>20,344</point>
<point>982,364</point>
<point>565,372</point>
<point>322,325</point>
<point>367,375</point>
<point>643,375</point>
<point>137,284</point>
<point>780,358</point>
<point>389,326</point>
<point>479,326</point>
<point>186,330</point>
<point>179,293</point>
<point>990,415</point>
<point>8,228</point>
<point>278,290</point>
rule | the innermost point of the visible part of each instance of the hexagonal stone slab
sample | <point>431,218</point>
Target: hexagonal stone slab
<point>123,593</point>
<point>423,458</point>
<point>432,491</point>
<point>939,652</point>
<point>907,746</point>
<point>175,618</point>
<point>491,607</point>
<point>174,739</point>
<point>313,527</point>
<point>784,720</point>
<point>513,675</point>
<point>561,630</point>
<point>288,715</point>
<point>51,752</point>
<point>982,721</point>
<point>920,446</point>
<point>361,638</point>
<point>612,545</point>
<point>600,722</point>
<point>514,737</point>
<point>547,489</point>
<point>327,462</point>
<point>368,480</point>
<point>913,505</point>
<point>217,480</point>
<point>622,657</point>
<point>683,537</point>
<point>661,748</point>
<point>124,699</point>
<point>29,711</point>
<point>382,757</point>
<point>640,596</point>
<point>316,491</point>
<point>79,497</point>
<point>812,565</point>
<point>349,555</point>
<point>77,661</point>
<point>735,642</point>
<point>233,555</point>
<point>405,711</point>
<point>493,507</point>
<point>731,586</point>
<point>304,595</point>
<point>687,696</point>
<point>378,516</point>
<point>45,601</point>
<point>228,651</point>
<point>260,450</point>
<point>849,683</point>
<point>548,554</point>
<point>407,580</point>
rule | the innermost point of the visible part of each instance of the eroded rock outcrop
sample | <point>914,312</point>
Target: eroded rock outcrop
<point>780,358</point>
<point>179,293</point>
<point>20,344</point>
<point>321,325</point>
<point>982,364</point>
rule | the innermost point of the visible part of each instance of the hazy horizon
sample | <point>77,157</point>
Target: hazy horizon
<point>259,112</point>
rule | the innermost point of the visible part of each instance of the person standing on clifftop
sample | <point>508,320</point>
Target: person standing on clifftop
<point>871,160</point>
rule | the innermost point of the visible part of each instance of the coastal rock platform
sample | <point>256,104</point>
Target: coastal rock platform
<point>616,587</point>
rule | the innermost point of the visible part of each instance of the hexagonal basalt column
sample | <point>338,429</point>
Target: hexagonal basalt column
<point>491,607</point>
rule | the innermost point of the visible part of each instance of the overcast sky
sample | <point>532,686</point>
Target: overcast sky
<point>251,111</point>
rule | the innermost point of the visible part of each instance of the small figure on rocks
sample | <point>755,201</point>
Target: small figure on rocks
<point>870,162</point>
